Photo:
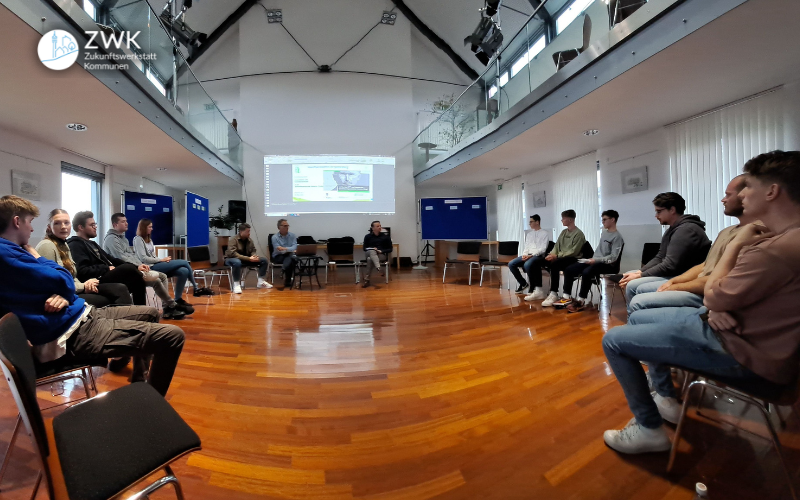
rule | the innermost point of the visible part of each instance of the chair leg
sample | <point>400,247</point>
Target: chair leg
<point>444,274</point>
<point>779,449</point>
<point>681,421</point>
<point>160,483</point>
<point>36,485</point>
<point>7,456</point>
<point>482,269</point>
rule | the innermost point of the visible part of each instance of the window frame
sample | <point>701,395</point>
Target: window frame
<point>98,180</point>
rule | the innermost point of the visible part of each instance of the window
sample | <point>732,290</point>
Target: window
<point>82,189</point>
<point>517,66</point>
<point>536,48</point>
<point>155,81</point>
<point>90,9</point>
<point>527,56</point>
<point>503,79</point>
<point>569,15</point>
<point>492,91</point>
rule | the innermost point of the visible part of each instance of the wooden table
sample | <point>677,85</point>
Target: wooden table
<point>442,249</point>
<point>395,250</point>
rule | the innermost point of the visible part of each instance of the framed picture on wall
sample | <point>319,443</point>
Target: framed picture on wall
<point>634,180</point>
<point>539,199</point>
<point>26,184</point>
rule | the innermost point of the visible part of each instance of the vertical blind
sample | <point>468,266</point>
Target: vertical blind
<point>575,187</point>
<point>706,152</point>
<point>509,211</point>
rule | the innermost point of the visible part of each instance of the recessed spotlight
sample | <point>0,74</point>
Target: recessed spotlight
<point>593,131</point>
<point>161,169</point>
<point>503,168</point>
<point>77,127</point>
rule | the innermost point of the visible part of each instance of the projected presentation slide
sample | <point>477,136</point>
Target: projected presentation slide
<point>325,182</point>
<point>328,184</point>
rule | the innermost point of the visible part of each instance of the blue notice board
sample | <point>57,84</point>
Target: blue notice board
<point>196,220</point>
<point>454,218</point>
<point>156,207</point>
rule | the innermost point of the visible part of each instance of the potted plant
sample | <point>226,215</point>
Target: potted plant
<point>221,221</point>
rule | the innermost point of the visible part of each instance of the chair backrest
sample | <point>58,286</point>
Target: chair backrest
<point>550,246</point>
<point>649,250</point>
<point>587,32</point>
<point>16,361</point>
<point>269,244</point>
<point>306,240</point>
<point>587,252</point>
<point>340,251</point>
<point>200,256</point>
<point>468,251</point>
<point>348,238</point>
<point>508,248</point>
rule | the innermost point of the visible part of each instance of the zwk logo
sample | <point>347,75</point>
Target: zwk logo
<point>111,39</point>
<point>58,50</point>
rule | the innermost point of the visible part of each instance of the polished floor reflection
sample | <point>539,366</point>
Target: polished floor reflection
<point>417,390</point>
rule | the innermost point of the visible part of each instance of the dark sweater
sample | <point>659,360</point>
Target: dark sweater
<point>91,261</point>
<point>33,281</point>
<point>382,242</point>
<point>683,246</point>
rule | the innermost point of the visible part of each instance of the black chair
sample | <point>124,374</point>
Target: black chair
<point>340,250</point>
<point>506,252</point>
<point>760,393</point>
<point>200,259</point>
<point>563,57</point>
<point>306,240</point>
<point>614,284</point>
<point>467,252</point>
<point>649,251</point>
<point>96,449</point>
<point>619,10</point>
<point>64,368</point>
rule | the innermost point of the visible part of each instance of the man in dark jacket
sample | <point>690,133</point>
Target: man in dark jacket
<point>377,247</point>
<point>683,246</point>
<point>58,323</point>
<point>92,262</point>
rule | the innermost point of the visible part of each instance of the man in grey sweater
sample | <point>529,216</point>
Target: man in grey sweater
<point>683,246</point>
<point>605,256</point>
<point>116,244</point>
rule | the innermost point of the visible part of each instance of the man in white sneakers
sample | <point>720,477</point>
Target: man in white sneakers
<point>535,246</point>
<point>242,252</point>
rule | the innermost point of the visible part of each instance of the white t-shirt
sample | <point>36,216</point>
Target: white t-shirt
<point>535,242</point>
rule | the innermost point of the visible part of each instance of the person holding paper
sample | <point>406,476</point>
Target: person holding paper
<point>377,247</point>
<point>607,252</point>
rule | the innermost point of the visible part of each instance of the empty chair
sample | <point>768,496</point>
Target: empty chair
<point>467,252</point>
<point>506,252</point>
<point>101,447</point>
<point>200,259</point>
<point>305,240</point>
<point>340,251</point>
<point>561,58</point>
<point>619,10</point>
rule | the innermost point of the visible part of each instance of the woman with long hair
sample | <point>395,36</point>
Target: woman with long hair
<point>54,247</point>
<point>180,269</point>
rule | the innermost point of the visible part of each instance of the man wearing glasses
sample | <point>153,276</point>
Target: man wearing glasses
<point>683,246</point>
<point>284,245</point>
<point>92,262</point>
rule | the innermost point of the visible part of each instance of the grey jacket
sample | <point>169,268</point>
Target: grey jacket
<point>609,248</point>
<point>116,244</point>
<point>143,251</point>
<point>683,246</point>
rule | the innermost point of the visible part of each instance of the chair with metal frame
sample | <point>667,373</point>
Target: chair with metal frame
<point>563,57</point>
<point>596,281</point>
<point>649,250</point>
<point>760,393</point>
<point>506,252</point>
<point>467,252</point>
<point>81,450</point>
<point>246,268</point>
<point>199,258</point>
<point>340,250</point>
<point>619,10</point>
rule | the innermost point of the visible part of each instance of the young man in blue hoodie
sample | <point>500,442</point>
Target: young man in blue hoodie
<point>58,323</point>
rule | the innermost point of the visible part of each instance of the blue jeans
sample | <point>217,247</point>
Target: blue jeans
<point>642,285</point>
<point>653,300</point>
<point>531,266</point>
<point>182,272</point>
<point>665,337</point>
<point>236,266</point>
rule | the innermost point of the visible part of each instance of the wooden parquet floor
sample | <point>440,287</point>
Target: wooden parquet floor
<point>416,390</point>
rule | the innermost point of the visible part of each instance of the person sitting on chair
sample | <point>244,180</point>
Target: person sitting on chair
<point>181,269</point>
<point>285,244</point>
<point>535,246</point>
<point>377,247</point>
<point>606,254</point>
<point>242,251</point>
<point>54,247</point>
<point>565,253</point>
<point>686,290</point>
<point>116,244</point>
<point>683,246</point>
<point>57,322</point>
<point>749,327</point>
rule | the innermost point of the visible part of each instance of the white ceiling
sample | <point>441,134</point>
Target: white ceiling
<point>750,49</point>
<point>38,103</point>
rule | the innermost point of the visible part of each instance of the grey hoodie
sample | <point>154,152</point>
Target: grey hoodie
<point>116,244</point>
<point>683,246</point>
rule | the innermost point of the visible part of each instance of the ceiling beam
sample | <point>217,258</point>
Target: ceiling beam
<point>221,29</point>
<point>435,39</point>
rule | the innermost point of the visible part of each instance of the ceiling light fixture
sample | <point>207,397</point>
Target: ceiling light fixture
<point>275,16</point>
<point>161,169</point>
<point>590,132</point>
<point>503,168</point>
<point>388,17</point>
<point>77,127</point>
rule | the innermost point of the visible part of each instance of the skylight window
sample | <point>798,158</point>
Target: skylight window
<point>503,79</point>
<point>90,9</point>
<point>492,91</point>
<point>569,15</point>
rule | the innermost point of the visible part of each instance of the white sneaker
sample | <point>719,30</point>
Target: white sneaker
<point>237,288</point>
<point>669,408</point>
<point>536,295</point>
<point>634,438</point>
<point>262,283</point>
<point>548,302</point>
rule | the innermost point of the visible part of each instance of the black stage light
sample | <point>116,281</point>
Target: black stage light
<point>492,6</point>
<point>485,40</point>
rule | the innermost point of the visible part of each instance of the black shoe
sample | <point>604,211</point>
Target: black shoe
<point>141,367</point>
<point>199,292</point>
<point>119,364</point>
<point>184,306</point>
<point>366,284</point>
<point>287,284</point>
<point>521,288</point>
<point>172,312</point>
